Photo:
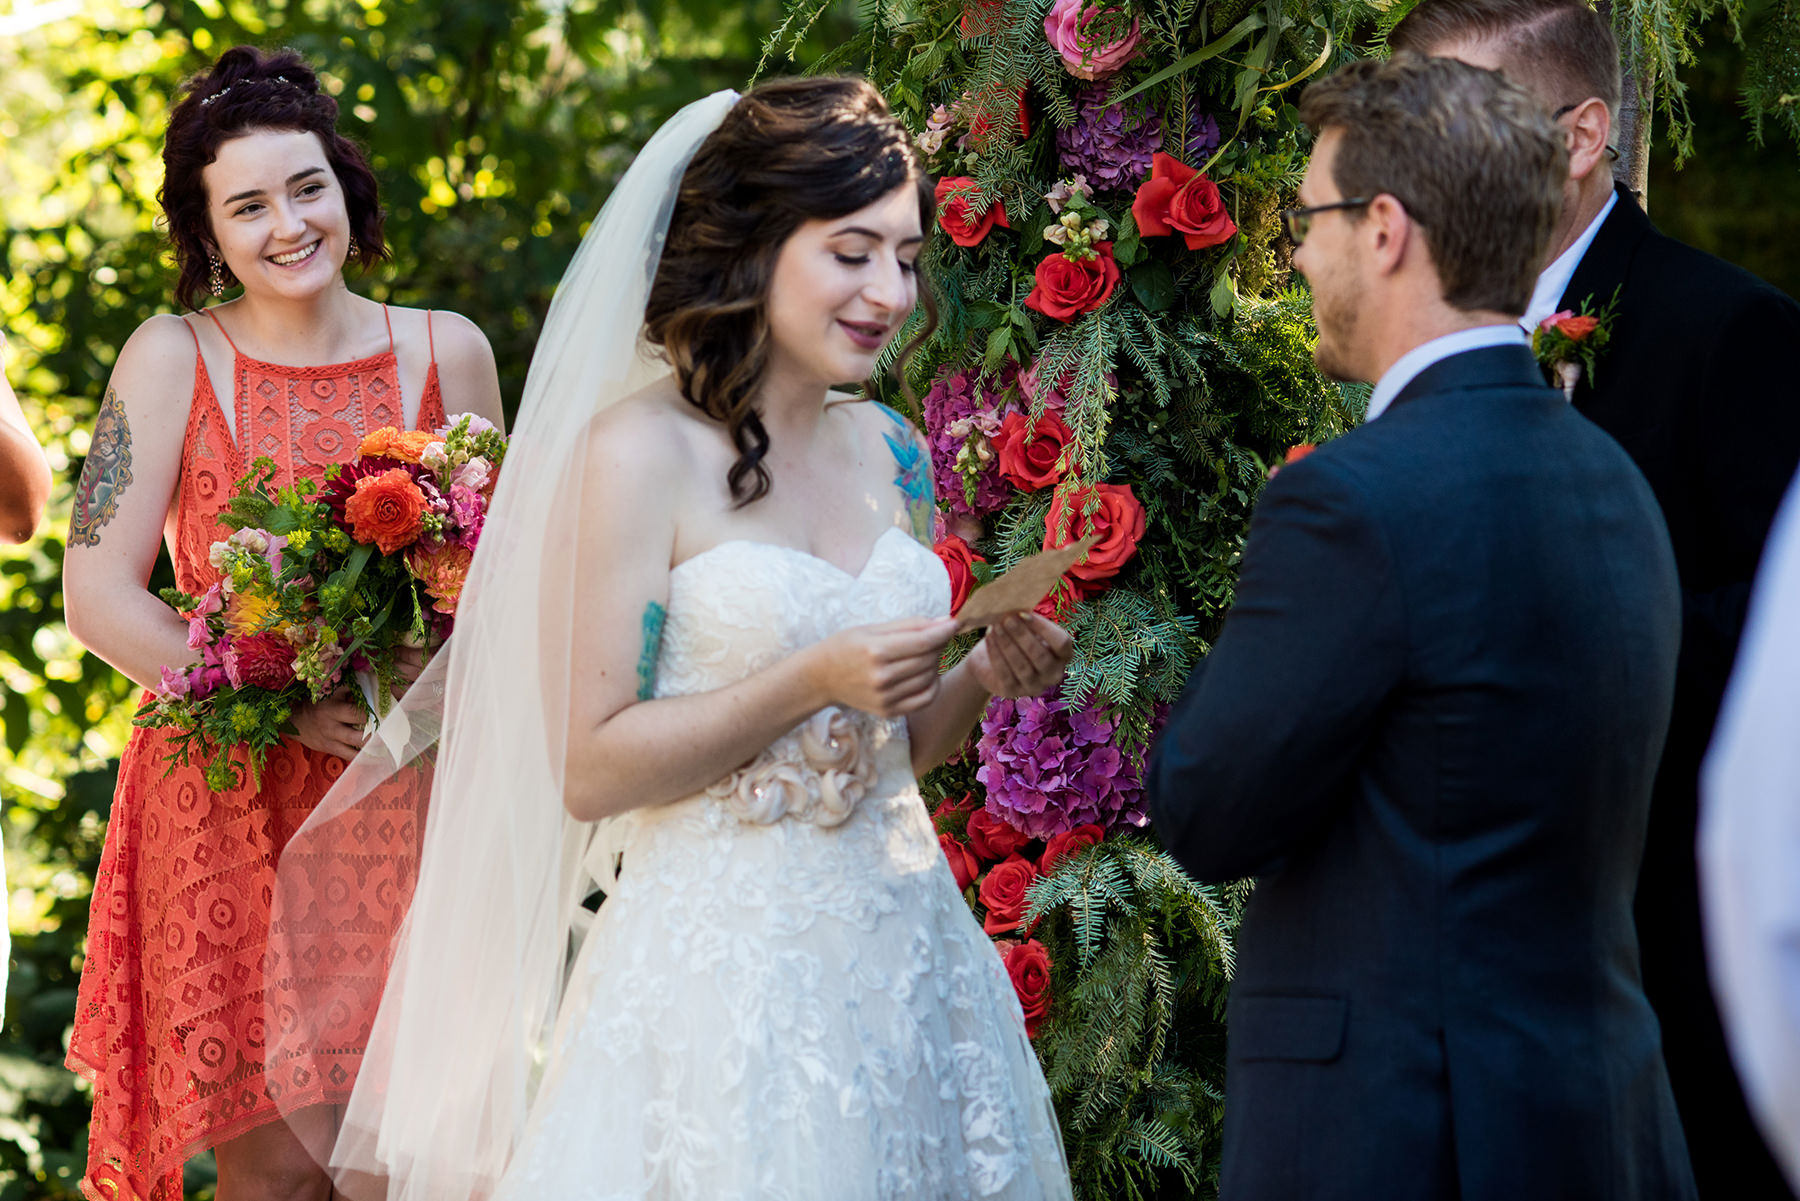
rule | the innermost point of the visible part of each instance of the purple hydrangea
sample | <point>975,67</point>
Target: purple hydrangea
<point>1202,136</point>
<point>1049,768</point>
<point>1112,146</point>
<point>962,413</point>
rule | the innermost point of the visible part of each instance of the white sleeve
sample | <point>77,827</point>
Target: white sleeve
<point>1749,847</point>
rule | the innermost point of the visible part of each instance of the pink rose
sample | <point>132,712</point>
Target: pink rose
<point>1068,29</point>
<point>1550,321</point>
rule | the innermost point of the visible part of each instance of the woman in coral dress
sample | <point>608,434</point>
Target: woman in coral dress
<point>260,191</point>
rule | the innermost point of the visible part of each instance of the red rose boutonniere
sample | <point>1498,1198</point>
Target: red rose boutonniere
<point>1178,199</point>
<point>1568,343</point>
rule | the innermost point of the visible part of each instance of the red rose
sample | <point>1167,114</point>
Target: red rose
<point>386,509</point>
<point>952,807</point>
<point>1003,893</point>
<point>1028,964</point>
<point>956,213</point>
<point>992,838</point>
<point>262,660</point>
<point>1178,199</point>
<point>962,864</point>
<point>960,562</point>
<point>981,17</point>
<point>1068,287</point>
<point>982,124</point>
<point>1577,328</point>
<point>1059,605</point>
<point>1067,843</point>
<point>1119,521</point>
<point>1033,454</point>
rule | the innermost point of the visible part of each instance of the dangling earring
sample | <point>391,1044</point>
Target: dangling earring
<point>215,275</point>
<point>355,250</point>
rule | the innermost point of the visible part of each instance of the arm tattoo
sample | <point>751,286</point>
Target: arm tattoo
<point>654,614</point>
<point>105,475</point>
<point>914,478</point>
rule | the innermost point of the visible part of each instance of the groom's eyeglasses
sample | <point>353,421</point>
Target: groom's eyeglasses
<point>1299,221</point>
<point>1612,152</point>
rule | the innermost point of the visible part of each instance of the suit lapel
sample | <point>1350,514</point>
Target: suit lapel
<point>1608,259</point>
<point>1488,367</point>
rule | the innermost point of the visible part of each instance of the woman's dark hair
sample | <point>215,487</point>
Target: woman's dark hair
<point>789,151</point>
<point>248,91</point>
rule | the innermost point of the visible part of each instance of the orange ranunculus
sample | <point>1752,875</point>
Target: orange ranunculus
<point>443,571</point>
<point>1576,329</point>
<point>386,509</point>
<point>388,442</point>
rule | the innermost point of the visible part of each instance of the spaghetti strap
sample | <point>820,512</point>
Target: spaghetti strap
<point>193,333</point>
<point>221,325</point>
<point>390,324</point>
<point>430,341</point>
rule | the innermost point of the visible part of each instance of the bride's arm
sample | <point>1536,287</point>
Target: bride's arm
<point>1024,655</point>
<point>627,751</point>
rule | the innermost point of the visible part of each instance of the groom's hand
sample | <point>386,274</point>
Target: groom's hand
<point>1024,655</point>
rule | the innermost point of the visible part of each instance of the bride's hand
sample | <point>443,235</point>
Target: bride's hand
<point>333,726</point>
<point>1025,655</point>
<point>888,669</point>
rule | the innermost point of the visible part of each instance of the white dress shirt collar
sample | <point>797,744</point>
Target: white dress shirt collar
<point>1554,280</point>
<point>1407,367</point>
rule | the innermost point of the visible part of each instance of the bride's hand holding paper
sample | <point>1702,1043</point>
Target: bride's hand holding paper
<point>1023,654</point>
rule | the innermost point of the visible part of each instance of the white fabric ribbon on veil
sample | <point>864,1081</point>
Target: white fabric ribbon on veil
<point>474,966</point>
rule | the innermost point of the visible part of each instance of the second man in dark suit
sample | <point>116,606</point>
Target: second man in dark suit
<point>1430,724</point>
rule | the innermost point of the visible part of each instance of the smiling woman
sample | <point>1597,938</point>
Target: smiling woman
<point>261,191</point>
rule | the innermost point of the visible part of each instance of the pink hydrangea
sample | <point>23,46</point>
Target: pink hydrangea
<point>1049,768</point>
<point>962,414</point>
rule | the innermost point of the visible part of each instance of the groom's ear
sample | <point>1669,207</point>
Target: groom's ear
<point>1589,130</point>
<point>1389,234</point>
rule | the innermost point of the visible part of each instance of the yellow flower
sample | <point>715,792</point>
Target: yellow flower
<point>247,613</point>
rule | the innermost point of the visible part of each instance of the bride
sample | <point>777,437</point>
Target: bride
<point>706,616</point>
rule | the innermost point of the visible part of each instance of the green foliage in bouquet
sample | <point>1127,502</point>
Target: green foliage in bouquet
<point>1123,351</point>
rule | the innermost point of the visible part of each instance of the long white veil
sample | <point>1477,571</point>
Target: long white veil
<point>473,968</point>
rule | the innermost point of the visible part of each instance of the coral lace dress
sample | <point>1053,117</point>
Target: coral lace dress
<point>170,1022</point>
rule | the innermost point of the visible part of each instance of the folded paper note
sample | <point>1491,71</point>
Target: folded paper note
<point>1019,590</point>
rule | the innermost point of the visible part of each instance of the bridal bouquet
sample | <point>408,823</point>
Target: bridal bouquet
<point>321,582</point>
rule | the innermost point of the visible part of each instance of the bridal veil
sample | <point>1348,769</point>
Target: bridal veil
<point>474,966</point>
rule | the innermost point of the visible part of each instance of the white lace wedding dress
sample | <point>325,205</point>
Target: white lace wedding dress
<point>784,997</point>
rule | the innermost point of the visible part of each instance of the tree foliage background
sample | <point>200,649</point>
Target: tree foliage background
<point>497,128</point>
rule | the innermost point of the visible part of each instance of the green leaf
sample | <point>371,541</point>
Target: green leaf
<point>1224,294</point>
<point>1128,247</point>
<point>997,344</point>
<point>1213,49</point>
<point>1153,283</point>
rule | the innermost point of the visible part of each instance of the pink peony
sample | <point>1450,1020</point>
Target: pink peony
<point>260,661</point>
<point>1068,27</point>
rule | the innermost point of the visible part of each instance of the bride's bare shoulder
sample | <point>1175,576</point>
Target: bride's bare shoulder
<point>645,436</point>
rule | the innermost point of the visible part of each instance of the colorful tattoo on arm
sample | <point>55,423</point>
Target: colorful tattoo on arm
<point>914,478</point>
<point>105,475</point>
<point>654,614</point>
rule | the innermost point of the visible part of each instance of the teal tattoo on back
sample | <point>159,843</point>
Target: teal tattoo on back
<point>914,478</point>
<point>654,615</point>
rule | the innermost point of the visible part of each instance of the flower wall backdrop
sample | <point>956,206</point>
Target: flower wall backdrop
<point>1123,353</point>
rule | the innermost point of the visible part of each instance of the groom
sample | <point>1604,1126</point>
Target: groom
<point>1431,722</point>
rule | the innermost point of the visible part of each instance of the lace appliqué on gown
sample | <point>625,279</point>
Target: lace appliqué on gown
<point>784,996</point>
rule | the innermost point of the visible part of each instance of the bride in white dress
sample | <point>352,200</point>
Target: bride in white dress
<point>706,616</point>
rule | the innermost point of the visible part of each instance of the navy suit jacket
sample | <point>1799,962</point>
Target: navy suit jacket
<point>1430,727</point>
<point>1698,386</point>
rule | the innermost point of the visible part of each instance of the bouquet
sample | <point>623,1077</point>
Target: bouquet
<point>322,581</point>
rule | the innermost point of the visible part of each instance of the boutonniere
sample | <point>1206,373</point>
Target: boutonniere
<point>1568,343</point>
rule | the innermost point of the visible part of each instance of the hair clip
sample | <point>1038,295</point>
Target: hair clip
<point>215,96</point>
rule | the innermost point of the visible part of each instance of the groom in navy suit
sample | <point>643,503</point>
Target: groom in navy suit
<point>1431,723</point>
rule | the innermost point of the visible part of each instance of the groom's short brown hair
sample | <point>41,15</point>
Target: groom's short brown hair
<point>1560,50</point>
<point>1474,159</point>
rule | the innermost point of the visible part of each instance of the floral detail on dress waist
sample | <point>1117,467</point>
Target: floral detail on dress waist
<point>815,774</point>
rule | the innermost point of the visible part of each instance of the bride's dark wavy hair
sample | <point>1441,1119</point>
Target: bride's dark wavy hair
<point>789,151</point>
